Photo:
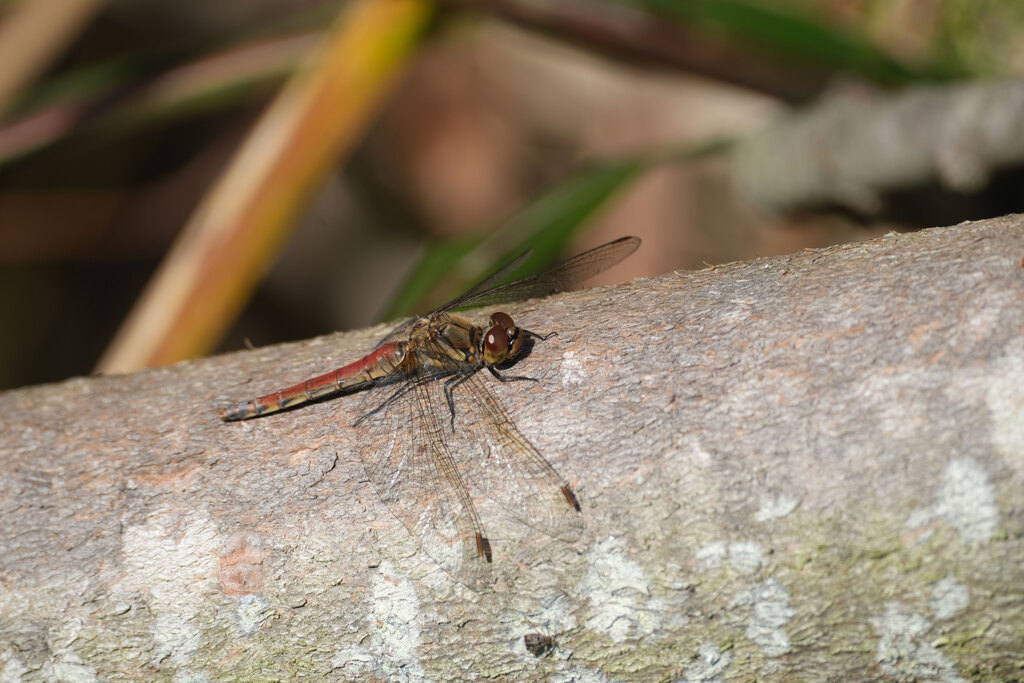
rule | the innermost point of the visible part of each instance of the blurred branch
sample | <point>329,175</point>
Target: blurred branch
<point>853,147</point>
<point>782,53</point>
<point>32,34</point>
<point>234,234</point>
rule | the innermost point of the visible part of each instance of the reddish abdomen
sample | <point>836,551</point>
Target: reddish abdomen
<point>354,376</point>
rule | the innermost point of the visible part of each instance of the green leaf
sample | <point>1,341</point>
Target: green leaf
<point>799,36</point>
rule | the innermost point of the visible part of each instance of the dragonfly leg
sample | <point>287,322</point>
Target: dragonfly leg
<point>511,378</point>
<point>542,337</point>
<point>449,393</point>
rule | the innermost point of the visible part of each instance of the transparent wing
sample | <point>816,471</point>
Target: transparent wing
<point>424,471</point>
<point>488,282</point>
<point>413,471</point>
<point>557,279</point>
<point>398,333</point>
<point>512,472</point>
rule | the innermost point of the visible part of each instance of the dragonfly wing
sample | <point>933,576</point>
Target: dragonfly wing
<point>558,279</point>
<point>400,332</point>
<point>513,473</point>
<point>489,282</point>
<point>412,470</point>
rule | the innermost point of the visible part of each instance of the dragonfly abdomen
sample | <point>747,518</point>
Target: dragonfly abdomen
<point>352,377</point>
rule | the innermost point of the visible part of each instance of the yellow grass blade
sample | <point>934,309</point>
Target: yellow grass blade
<point>236,231</point>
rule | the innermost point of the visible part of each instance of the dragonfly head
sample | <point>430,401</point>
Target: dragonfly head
<point>502,340</point>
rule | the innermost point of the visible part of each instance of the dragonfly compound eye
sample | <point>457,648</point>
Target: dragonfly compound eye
<point>502,340</point>
<point>503,320</point>
<point>495,345</point>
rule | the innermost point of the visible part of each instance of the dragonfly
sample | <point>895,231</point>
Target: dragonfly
<point>438,431</point>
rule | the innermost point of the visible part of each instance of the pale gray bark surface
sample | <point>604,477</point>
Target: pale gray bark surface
<point>797,468</point>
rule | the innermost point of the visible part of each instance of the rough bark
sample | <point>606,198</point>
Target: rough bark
<point>796,468</point>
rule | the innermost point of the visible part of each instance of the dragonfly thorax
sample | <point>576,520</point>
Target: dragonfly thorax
<point>502,340</point>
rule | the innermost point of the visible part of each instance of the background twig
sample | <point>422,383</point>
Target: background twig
<point>855,146</point>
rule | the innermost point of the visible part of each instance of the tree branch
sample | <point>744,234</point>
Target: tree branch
<point>799,467</point>
<point>855,147</point>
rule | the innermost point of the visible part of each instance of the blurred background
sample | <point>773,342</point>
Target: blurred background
<point>186,178</point>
